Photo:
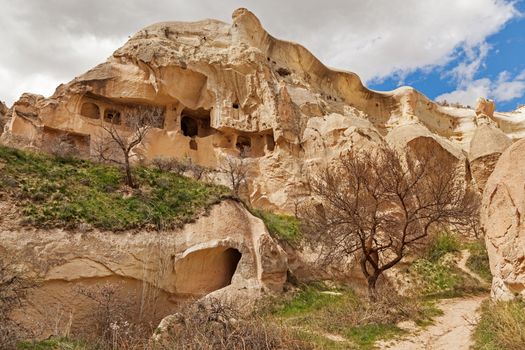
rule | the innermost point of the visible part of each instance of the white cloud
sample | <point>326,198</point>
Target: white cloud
<point>468,93</point>
<point>503,89</point>
<point>521,76</point>
<point>59,39</point>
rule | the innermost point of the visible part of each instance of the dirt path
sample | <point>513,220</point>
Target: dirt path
<point>453,329</point>
<point>462,264</point>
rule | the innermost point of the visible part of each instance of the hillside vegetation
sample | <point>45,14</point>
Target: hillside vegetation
<point>67,192</point>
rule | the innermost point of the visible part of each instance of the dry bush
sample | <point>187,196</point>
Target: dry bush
<point>237,171</point>
<point>62,147</point>
<point>168,164</point>
<point>181,167</point>
<point>215,325</point>
<point>115,319</point>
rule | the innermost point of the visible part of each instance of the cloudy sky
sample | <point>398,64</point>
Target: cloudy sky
<point>449,49</point>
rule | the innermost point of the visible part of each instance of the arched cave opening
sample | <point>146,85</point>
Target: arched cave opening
<point>196,122</point>
<point>206,270</point>
<point>90,110</point>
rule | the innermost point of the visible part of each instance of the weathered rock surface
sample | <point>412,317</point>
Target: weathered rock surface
<point>503,210</point>
<point>154,271</point>
<point>231,87</point>
<point>423,144</point>
<point>486,146</point>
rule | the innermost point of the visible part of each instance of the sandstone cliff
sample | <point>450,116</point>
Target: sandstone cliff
<point>232,89</point>
<point>502,217</point>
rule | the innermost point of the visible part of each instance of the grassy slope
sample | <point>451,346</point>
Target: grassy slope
<point>478,260</point>
<point>55,192</point>
<point>280,226</point>
<point>436,273</point>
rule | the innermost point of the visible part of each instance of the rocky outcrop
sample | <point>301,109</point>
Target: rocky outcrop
<point>420,143</point>
<point>231,258</point>
<point>232,89</point>
<point>502,215</point>
<point>486,146</point>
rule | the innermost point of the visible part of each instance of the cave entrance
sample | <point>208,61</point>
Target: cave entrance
<point>206,270</point>
<point>244,145</point>
<point>196,122</point>
<point>189,126</point>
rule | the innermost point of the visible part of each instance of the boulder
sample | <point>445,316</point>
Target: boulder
<point>502,218</point>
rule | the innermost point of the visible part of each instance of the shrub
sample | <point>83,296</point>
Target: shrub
<point>212,324</point>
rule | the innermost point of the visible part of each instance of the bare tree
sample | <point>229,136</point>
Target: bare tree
<point>119,140</point>
<point>237,172</point>
<point>376,205</point>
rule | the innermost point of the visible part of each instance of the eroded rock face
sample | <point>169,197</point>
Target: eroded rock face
<point>503,210</point>
<point>226,88</point>
<point>486,146</point>
<point>420,143</point>
<point>154,271</point>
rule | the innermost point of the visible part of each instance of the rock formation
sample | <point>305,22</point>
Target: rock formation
<point>486,146</point>
<point>503,212</point>
<point>234,89</point>
<point>154,271</point>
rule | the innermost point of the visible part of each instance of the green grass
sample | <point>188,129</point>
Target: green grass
<point>442,244</point>
<point>345,314</point>
<point>502,326</point>
<point>53,344</point>
<point>53,192</point>
<point>442,279</point>
<point>436,273</point>
<point>281,226</point>
<point>478,260</point>
<point>366,336</point>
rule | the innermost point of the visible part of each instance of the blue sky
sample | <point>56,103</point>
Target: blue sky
<point>504,62</point>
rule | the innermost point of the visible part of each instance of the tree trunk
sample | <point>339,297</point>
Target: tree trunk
<point>372,292</point>
<point>129,177</point>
